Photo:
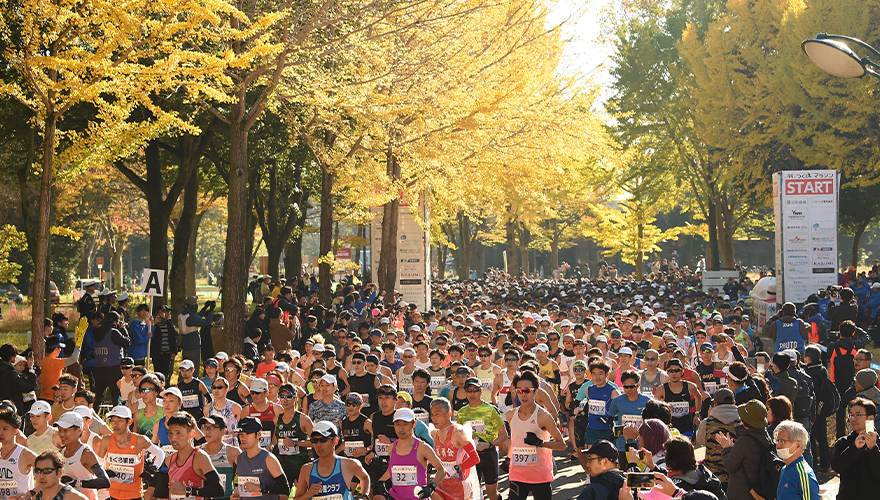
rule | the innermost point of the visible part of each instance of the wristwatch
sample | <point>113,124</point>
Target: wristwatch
<point>189,490</point>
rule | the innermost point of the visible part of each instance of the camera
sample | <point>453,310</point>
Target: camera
<point>639,480</point>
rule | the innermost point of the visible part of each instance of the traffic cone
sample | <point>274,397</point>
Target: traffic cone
<point>12,312</point>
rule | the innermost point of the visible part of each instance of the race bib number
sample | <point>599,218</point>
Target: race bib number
<point>350,446</point>
<point>404,475</point>
<point>597,407</point>
<point>407,387</point>
<point>679,408</point>
<point>242,482</point>
<point>631,419</point>
<point>450,468</point>
<point>336,496</point>
<point>265,438</point>
<point>124,475</point>
<point>288,450</point>
<point>382,449</point>
<point>711,387</point>
<point>222,480</point>
<point>479,426</point>
<point>168,449</point>
<point>8,488</point>
<point>191,401</point>
<point>487,383</point>
<point>437,382</point>
<point>647,390</point>
<point>524,457</point>
<point>423,416</point>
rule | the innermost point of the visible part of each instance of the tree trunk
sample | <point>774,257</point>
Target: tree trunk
<point>857,237</point>
<point>84,270</point>
<point>712,257</point>
<point>191,264</point>
<point>41,258</point>
<point>441,265</point>
<point>235,275</point>
<point>480,258</point>
<point>640,256</point>
<point>116,250</point>
<point>554,245</point>
<point>512,260</point>
<point>325,236</point>
<point>388,255</point>
<point>524,237</point>
<point>725,215</point>
<point>183,232</point>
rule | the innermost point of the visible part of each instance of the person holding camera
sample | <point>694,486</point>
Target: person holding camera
<point>189,323</point>
<point>605,479</point>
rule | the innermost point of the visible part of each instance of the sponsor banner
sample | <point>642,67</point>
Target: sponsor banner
<point>413,252</point>
<point>805,204</point>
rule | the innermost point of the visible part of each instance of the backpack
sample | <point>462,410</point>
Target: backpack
<point>827,398</point>
<point>803,405</point>
<point>843,371</point>
<point>769,471</point>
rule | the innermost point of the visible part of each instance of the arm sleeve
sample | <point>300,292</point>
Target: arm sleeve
<point>100,482</point>
<point>120,338</point>
<point>556,378</point>
<point>470,458</point>
<point>280,486</point>
<point>73,358</point>
<point>158,454</point>
<point>213,487</point>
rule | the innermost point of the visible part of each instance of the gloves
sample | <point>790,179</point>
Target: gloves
<point>111,473</point>
<point>532,439</point>
<point>68,480</point>
<point>427,490</point>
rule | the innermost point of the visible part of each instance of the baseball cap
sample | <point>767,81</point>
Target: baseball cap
<point>706,345</point>
<point>126,363</point>
<point>40,407</point>
<point>542,348</point>
<point>120,411</point>
<point>472,381</point>
<point>217,420</point>
<point>724,396</point>
<point>70,419</point>
<point>282,367</point>
<point>327,429</point>
<point>221,356</point>
<point>404,414</point>
<point>330,379</point>
<point>405,395</point>
<point>353,397</point>
<point>174,391</point>
<point>187,365</point>
<point>84,411</point>
<point>260,385</point>
<point>625,350</point>
<point>603,449</point>
<point>318,348</point>
<point>249,425</point>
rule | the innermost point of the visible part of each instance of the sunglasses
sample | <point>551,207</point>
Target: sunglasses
<point>708,351</point>
<point>473,390</point>
<point>145,390</point>
<point>568,342</point>
<point>651,359</point>
<point>321,440</point>
<point>230,369</point>
<point>126,367</point>
<point>137,376</point>
<point>526,390</point>
<point>472,350</point>
<point>630,386</point>
<point>674,370</point>
<point>286,396</point>
<point>218,387</point>
<point>352,404</point>
<point>577,370</point>
<point>511,360</point>
<point>441,344</point>
<point>357,362</point>
<point>256,392</point>
<point>553,339</point>
<point>45,470</point>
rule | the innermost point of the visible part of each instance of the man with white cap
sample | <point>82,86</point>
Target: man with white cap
<point>408,463</point>
<point>192,389</point>
<point>81,466</point>
<point>16,461</point>
<point>329,475</point>
<point>263,410</point>
<point>327,406</point>
<point>43,437</point>
<point>123,454</point>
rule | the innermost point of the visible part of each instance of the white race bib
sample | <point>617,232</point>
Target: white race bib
<point>191,401</point>
<point>404,475</point>
<point>479,426</point>
<point>423,416</point>
<point>366,399</point>
<point>710,387</point>
<point>168,449</point>
<point>487,383</point>
<point>524,457</point>
<point>350,446</point>
<point>679,408</point>
<point>631,419</point>
<point>437,382</point>
<point>124,475</point>
<point>597,407</point>
<point>8,489</point>
<point>288,450</point>
<point>382,449</point>
<point>336,496</point>
<point>265,439</point>
<point>242,481</point>
<point>407,387</point>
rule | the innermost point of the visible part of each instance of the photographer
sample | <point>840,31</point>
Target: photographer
<point>189,322</point>
<point>846,310</point>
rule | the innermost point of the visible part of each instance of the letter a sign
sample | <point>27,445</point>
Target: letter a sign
<point>153,283</point>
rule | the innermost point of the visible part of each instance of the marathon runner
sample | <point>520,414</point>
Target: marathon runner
<point>224,457</point>
<point>124,457</point>
<point>329,476</point>
<point>456,451</point>
<point>408,462</point>
<point>487,425</point>
<point>292,430</point>
<point>16,461</point>
<point>81,466</point>
<point>259,472</point>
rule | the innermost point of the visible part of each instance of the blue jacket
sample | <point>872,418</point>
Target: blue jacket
<point>138,331</point>
<point>88,347</point>
<point>797,482</point>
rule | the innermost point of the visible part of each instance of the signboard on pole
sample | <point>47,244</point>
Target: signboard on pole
<point>343,253</point>
<point>153,283</point>
<point>805,205</point>
<point>413,253</point>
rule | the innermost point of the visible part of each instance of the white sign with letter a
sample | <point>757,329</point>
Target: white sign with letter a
<point>153,282</point>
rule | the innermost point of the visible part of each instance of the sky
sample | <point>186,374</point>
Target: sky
<point>585,53</point>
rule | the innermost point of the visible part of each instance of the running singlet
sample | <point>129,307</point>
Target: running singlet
<point>193,399</point>
<point>229,417</point>
<point>406,472</point>
<point>438,378</point>
<point>597,405</point>
<point>224,469</point>
<point>254,470</point>
<point>293,457</point>
<point>681,406</point>
<point>12,481</point>
<point>354,436</point>
<point>74,469</point>
<point>487,381</point>
<point>39,444</point>
<point>788,336</point>
<point>405,382</point>
<point>529,464</point>
<point>184,474</point>
<point>145,424</point>
<point>333,487</point>
<point>267,419</point>
<point>648,387</point>
<point>365,385</point>
<point>451,488</point>
<point>707,376</point>
<point>127,466</point>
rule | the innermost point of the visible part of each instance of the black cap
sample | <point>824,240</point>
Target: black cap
<point>217,420</point>
<point>126,363</point>
<point>249,425</point>
<point>473,381</point>
<point>603,449</point>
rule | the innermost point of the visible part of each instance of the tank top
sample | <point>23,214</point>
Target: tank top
<point>503,405</point>
<point>406,472</point>
<point>233,395</point>
<point>529,464</point>
<point>682,406</point>
<point>648,387</point>
<point>74,468</point>
<point>39,444</point>
<point>267,418</point>
<point>333,487</point>
<point>365,385</point>
<point>184,474</point>
<point>405,382</point>
<point>221,463</point>
<point>438,378</point>
<point>707,376</point>
<point>125,389</point>
<point>383,425</point>
<point>487,381</point>
<point>291,456</point>
<point>229,417</point>
<point>145,424</point>
<point>452,487</point>
<point>354,436</point>
<point>597,403</point>
<point>341,386</point>
<point>106,352</point>
<point>128,466</point>
<point>788,336</point>
<point>58,496</point>
<point>254,470</point>
<point>12,481</point>
<point>193,400</point>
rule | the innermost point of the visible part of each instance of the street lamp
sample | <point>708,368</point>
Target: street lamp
<point>833,56</point>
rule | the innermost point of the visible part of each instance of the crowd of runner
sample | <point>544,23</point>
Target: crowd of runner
<point>371,397</point>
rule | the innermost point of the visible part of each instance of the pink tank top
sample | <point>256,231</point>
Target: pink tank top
<point>406,472</point>
<point>529,464</point>
<point>450,488</point>
<point>185,474</point>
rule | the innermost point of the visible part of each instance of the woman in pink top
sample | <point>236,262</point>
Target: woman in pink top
<point>408,463</point>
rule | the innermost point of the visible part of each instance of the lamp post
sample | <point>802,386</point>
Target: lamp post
<point>834,56</point>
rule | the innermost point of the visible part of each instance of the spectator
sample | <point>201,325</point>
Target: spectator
<point>780,365</point>
<point>818,432</point>
<point>723,417</point>
<point>778,410</point>
<point>856,456</point>
<point>164,343</point>
<point>140,331</point>
<point>684,470</point>
<point>14,385</point>
<point>742,458</point>
<point>605,480</point>
<point>52,365</point>
<point>866,385</point>
<point>796,480</point>
<point>189,322</point>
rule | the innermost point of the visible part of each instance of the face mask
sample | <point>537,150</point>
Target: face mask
<point>785,453</point>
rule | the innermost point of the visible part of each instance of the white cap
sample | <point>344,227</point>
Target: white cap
<point>318,348</point>
<point>122,297</point>
<point>325,429</point>
<point>649,324</point>
<point>385,321</point>
<point>70,419</point>
<point>626,350</point>
<point>565,323</point>
<point>187,364</point>
<point>602,338</point>
<point>120,411</point>
<point>222,355</point>
<point>330,379</point>
<point>259,385</point>
<point>84,411</point>
<point>174,391</point>
<point>542,347</point>
<point>282,367</point>
<point>662,315</point>
<point>876,284</point>
<point>405,414</point>
<point>295,354</point>
<point>415,328</point>
<point>40,407</point>
<point>409,350</point>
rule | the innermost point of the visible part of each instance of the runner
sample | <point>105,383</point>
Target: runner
<point>488,428</point>
<point>683,397</point>
<point>224,457</point>
<point>652,376</point>
<point>146,417</point>
<point>357,429</point>
<point>408,463</point>
<point>192,389</point>
<point>487,371</point>
<point>259,473</point>
<point>43,437</point>
<point>363,382</point>
<point>457,452</point>
<point>292,431</point>
<point>329,477</point>
<point>263,410</point>
<point>190,471</point>
<point>123,454</point>
<point>596,402</point>
<point>531,458</point>
<point>405,374</point>
<point>48,467</point>
<point>421,390</point>
<point>220,406</point>
<point>16,461</point>
<point>327,406</point>
<point>81,466</point>
<point>383,433</point>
